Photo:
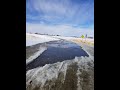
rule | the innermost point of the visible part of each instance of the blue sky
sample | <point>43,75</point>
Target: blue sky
<point>63,17</point>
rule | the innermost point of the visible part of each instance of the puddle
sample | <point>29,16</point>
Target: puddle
<point>57,51</point>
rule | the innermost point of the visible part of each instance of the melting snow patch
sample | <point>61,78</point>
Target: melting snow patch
<point>41,74</point>
<point>40,51</point>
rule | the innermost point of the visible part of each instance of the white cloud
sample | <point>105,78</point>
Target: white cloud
<point>51,6</point>
<point>64,30</point>
<point>52,10</point>
<point>62,12</point>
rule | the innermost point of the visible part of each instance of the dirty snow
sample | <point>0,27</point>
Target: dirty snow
<point>47,72</point>
<point>40,75</point>
<point>36,54</point>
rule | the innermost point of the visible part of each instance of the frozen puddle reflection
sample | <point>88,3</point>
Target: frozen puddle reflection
<point>57,51</point>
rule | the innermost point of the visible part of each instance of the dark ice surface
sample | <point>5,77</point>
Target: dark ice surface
<point>57,51</point>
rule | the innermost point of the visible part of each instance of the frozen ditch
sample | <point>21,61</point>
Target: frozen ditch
<point>57,51</point>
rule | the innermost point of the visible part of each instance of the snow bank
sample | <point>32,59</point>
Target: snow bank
<point>50,71</point>
<point>35,55</point>
<point>32,39</point>
<point>47,72</point>
<point>40,75</point>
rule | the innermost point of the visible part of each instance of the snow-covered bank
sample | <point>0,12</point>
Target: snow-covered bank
<point>55,76</point>
<point>41,76</point>
<point>32,39</point>
<point>36,54</point>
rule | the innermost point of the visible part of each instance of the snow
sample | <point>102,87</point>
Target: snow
<point>36,54</point>
<point>40,75</point>
<point>47,72</point>
<point>78,82</point>
<point>32,39</point>
<point>89,50</point>
<point>71,38</point>
<point>65,38</point>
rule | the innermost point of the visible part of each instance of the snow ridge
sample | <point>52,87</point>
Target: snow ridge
<point>40,51</point>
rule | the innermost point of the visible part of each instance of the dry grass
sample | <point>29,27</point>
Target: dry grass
<point>83,41</point>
